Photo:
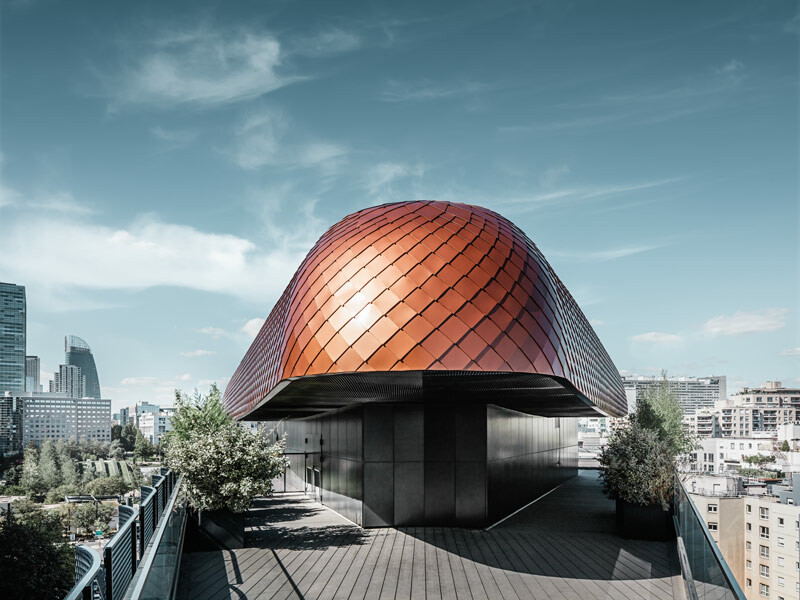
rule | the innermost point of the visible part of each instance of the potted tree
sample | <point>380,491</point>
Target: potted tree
<point>639,464</point>
<point>224,466</point>
<point>639,475</point>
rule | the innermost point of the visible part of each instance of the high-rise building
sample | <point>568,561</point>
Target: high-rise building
<point>78,353</point>
<point>32,368</point>
<point>693,392</point>
<point>12,337</point>
<point>56,416</point>
<point>69,381</point>
<point>10,424</point>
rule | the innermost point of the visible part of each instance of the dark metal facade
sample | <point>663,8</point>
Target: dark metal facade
<point>394,293</point>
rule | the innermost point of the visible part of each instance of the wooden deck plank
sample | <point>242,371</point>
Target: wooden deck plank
<point>392,576</point>
<point>404,576</point>
<point>460,579</point>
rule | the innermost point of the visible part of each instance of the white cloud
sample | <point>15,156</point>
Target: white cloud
<point>656,337</point>
<point>583,193</point>
<point>148,380</point>
<point>62,202</point>
<point>380,180</point>
<point>770,319</point>
<point>252,327</point>
<point>173,138</point>
<point>196,353</point>
<point>260,141</point>
<point>326,43</point>
<point>215,332</point>
<point>395,91</point>
<point>203,68</point>
<point>791,352</point>
<point>146,254</point>
<point>603,255</point>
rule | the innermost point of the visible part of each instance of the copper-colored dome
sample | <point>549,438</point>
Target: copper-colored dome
<point>419,287</point>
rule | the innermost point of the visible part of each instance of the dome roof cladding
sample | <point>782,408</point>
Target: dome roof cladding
<point>425,286</point>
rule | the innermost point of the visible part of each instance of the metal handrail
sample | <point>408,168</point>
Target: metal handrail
<point>127,533</point>
<point>84,586</point>
<point>730,580</point>
<point>134,591</point>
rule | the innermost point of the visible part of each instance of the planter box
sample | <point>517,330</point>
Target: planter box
<point>644,522</point>
<point>214,530</point>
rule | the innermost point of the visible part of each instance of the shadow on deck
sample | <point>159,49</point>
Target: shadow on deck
<point>564,546</point>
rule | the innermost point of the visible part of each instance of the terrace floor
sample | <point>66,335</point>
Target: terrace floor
<point>564,547</point>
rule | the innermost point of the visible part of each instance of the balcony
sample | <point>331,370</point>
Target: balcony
<point>565,545</point>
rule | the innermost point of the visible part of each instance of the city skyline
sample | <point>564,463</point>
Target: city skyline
<point>158,196</point>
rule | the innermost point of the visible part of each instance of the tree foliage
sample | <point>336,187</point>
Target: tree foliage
<point>660,411</point>
<point>32,479</point>
<point>227,468</point>
<point>785,447</point>
<point>128,437</point>
<point>142,448</point>
<point>758,459</point>
<point>86,516</point>
<point>639,467</point>
<point>35,560</point>
<point>116,433</point>
<point>197,415</point>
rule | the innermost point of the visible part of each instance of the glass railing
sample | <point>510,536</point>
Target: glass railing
<point>157,575</point>
<point>707,575</point>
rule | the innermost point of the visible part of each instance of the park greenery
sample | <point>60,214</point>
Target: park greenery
<point>54,470</point>
<point>639,461</point>
<point>224,465</point>
<point>35,559</point>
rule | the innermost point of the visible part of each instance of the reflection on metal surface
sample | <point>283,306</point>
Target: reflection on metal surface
<point>426,286</point>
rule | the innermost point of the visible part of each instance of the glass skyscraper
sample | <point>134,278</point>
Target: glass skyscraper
<point>79,354</point>
<point>12,337</point>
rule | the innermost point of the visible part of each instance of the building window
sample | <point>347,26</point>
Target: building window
<point>763,551</point>
<point>780,581</point>
<point>712,526</point>
<point>780,561</point>
<point>749,583</point>
<point>780,521</point>
<point>748,527</point>
<point>763,532</point>
<point>780,541</point>
<point>712,508</point>
<point>748,545</point>
<point>749,564</point>
<point>764,570</point>
<point>749,508</point>
<point>763,589</point>
<point>763,513</point>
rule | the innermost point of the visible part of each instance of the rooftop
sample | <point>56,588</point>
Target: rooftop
<point>564,546</point>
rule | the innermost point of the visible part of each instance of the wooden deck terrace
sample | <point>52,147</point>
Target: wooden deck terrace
<point>563,546</point>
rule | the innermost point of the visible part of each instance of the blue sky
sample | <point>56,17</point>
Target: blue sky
<point>166,166</point>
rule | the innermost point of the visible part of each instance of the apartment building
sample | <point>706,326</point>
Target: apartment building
<point>723,455</point>
<point>693,392</point>
<point>154,425</point>
<point>759,536</point>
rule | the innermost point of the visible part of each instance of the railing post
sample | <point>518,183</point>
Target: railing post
<point>134,555</point>
<point>109,574</point>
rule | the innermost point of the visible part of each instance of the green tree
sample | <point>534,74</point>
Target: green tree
<point>639,467</point>
<point>785,447</point>
<point>142,448</point>
<point>32,479</point>
<point>116,432</point>
<point>86,515</point>
<point>661,412</point>
<point>69,473</point>
<point>226,468</point>
<point>758,459</point>
<point>35,560</point>
<point>48,465</point>
<point>197,414</point>
<point>128,437</point>
<point>117,452</point>
<point>107,486</point>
